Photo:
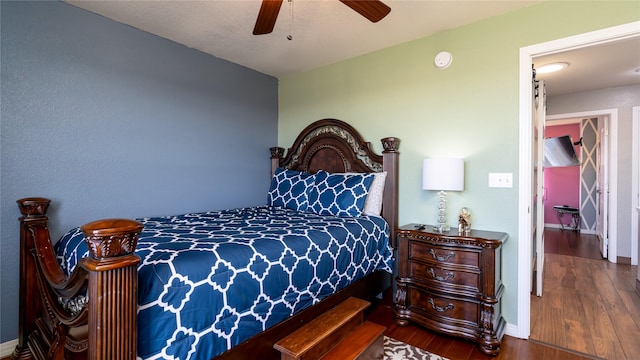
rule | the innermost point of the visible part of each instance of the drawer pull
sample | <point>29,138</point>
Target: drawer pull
<point>448,275</point>
<point>438,308</point>
<point>441,258</point>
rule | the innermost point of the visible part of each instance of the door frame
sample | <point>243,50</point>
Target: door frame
<point>635,184</point>
<point>525,171</point>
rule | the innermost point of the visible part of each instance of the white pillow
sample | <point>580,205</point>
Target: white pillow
<point>373,203</point>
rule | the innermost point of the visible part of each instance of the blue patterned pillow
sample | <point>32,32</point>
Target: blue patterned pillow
<point>339,194</point>
<point>289,189</point>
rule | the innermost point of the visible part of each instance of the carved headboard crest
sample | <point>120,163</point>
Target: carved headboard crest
<point>348,137</point>
<point>330,140</point>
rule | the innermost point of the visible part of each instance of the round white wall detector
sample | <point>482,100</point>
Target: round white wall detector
<point>443,60</point>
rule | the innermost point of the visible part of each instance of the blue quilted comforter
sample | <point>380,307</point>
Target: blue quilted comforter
<point>209,281</point>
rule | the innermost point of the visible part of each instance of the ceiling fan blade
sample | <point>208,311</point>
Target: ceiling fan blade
<point>267,16</point>
<point>374,10</point>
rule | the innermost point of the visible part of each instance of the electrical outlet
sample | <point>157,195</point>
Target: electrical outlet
<point>501,180</point>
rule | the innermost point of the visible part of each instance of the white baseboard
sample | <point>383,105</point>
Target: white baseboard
<point>511,330</point>
<point>6,348</point>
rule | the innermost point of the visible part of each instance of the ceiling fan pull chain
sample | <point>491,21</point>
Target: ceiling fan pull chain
<point>290,37</point>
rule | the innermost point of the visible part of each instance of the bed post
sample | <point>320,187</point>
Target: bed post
<point>33,212</point>
<point>277,153</point>
<point>390,196</point>
<point>113,288</point>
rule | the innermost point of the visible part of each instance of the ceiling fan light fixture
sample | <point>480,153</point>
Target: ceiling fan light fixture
<point>553,67</point>
<point>373,10</point>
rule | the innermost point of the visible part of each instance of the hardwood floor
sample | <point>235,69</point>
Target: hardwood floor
<point>456,349</point>
<point>572,243</point>
<point>589,305</point>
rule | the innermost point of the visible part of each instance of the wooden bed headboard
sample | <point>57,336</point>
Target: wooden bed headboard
<point>335,146</point>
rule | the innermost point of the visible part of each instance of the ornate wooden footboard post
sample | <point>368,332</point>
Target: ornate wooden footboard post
<point>113,288</point>
<point>390,156</point>
<point>33,212</point>
<point>53,306</point>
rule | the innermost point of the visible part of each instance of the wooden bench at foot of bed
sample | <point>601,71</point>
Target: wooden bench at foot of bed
<point>338,334</point>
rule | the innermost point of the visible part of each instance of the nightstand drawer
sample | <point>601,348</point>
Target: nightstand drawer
<point>443,254</point>
<point>439,306</point>
<point>469,281</point>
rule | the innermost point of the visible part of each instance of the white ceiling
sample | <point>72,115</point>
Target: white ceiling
<point>323,31</point>
<point>327,31</point>
<point>595,67</point>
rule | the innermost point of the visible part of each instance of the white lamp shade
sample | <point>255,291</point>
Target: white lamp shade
<point>443,174</point>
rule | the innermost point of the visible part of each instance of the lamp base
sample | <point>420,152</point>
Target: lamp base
<point>442,213</point>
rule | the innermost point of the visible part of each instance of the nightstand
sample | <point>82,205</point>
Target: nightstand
<point>451,283</point>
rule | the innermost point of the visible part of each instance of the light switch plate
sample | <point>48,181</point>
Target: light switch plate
<point>501,180</point>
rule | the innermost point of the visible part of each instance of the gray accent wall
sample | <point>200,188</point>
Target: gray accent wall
<point>110,121</point>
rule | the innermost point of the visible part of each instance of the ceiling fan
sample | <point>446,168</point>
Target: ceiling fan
<point>373,10</point>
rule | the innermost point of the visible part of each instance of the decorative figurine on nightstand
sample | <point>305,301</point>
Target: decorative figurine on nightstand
<point>464,221</point>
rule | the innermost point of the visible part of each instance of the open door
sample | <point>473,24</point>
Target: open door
<point>602,218</point>
<point>539,109</point>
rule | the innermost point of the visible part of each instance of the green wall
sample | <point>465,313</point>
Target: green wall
<point>468,110</point>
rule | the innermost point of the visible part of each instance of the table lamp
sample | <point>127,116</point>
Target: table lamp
<point>442,175</point>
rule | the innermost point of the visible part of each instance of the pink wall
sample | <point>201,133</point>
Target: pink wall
<point>562,184</point>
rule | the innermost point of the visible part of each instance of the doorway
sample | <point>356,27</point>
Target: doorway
<point>562,181</point>
<point>599,158</point>
<point>527,55</point>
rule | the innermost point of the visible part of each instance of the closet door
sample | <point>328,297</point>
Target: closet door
<point>602,189</point>
<point>635,185</point>
<point>539,110</point>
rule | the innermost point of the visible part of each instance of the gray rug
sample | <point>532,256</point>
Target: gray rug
<point>397,350</point>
